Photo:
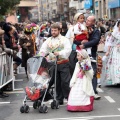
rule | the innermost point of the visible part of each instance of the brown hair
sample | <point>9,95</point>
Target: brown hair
<point>118,23</point>
<point>56,26</point>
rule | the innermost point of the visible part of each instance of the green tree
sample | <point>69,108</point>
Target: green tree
<point>6,6</point>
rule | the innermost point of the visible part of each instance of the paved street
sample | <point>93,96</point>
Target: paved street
<point>108,108</point>
<point>61,25</point>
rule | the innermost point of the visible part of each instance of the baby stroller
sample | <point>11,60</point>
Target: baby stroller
<point>39,75</point>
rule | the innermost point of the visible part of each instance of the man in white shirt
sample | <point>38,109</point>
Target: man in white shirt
<point>60,46</point>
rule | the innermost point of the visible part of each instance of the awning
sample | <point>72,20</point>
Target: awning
<point>27,4</point>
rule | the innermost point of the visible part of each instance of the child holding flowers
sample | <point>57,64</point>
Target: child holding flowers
<point>81,94</point>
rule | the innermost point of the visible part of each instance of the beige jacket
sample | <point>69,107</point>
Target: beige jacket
<point>87,80</point>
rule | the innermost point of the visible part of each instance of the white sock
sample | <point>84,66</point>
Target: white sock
<point>98,81</point>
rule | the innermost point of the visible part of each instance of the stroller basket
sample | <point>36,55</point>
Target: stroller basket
<point>34,96</point>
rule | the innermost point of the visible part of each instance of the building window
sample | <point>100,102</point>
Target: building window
<point>96,4</point>
<point>54,11</point>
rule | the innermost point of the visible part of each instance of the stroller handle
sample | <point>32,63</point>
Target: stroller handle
<point>53,53</point>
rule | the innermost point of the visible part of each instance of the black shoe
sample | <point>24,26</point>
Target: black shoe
<point>60,102</point>
<point>4,95</point>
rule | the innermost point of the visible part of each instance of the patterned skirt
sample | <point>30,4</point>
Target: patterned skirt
<point>112,69</point>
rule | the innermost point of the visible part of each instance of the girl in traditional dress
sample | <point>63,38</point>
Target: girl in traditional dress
<point>80,29</point>
<point>112,72</point>
<point>81,94</point>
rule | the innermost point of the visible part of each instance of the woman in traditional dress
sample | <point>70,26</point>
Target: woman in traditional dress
<point>81,94</point>
<point>107,41</point>
<point>112,72</point>
<point>27,46</point>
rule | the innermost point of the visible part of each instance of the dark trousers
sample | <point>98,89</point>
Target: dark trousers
<point>17,60</point>
<point>94,80</point>
<point>62,82</point>
<point>72,61</point>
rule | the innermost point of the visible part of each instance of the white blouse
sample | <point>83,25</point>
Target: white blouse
<point>65,53</point>
<point>77,30</point>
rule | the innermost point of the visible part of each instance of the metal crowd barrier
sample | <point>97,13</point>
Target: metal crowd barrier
<point>19,54</point>
<point>6,69</point>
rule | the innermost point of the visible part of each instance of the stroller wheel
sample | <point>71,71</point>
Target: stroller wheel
<point>26,109</point>
<point>41,109</point>
<point>22,109</point>
<point>52,105</point>
<point>55,104</point>
<point>38,103</point>
<point>35,105</point>
<point>45,109</point>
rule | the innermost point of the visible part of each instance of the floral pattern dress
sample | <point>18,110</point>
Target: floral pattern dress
<point>112,71</point>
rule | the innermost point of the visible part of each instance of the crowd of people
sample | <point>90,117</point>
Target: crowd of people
<point>75,45</point>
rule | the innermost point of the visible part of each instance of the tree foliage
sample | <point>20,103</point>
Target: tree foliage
<point>6,6</point>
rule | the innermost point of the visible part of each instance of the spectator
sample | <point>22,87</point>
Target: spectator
<point>101,28</point>
<point>48,29</point>
<point>64,28</point>
<point>1,40</point>
<point>2,95</point>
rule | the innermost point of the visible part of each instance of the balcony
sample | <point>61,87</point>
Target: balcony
<point>27,3</point>
<point>52,1</point>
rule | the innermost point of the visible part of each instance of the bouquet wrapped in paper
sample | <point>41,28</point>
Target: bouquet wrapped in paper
<point>85,66</point>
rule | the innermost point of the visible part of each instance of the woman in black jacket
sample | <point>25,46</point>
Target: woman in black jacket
<point>64,28</point>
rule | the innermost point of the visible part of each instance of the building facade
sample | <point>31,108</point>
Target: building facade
<point>24,10</point>
<point>55,10</point>
<point>106,9</point>
<point>23,14</point>
<point>83,6</point>
<point>114,9</point>
<point>63,9</point>
<point>101,8</point>
<point>52,8</point>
